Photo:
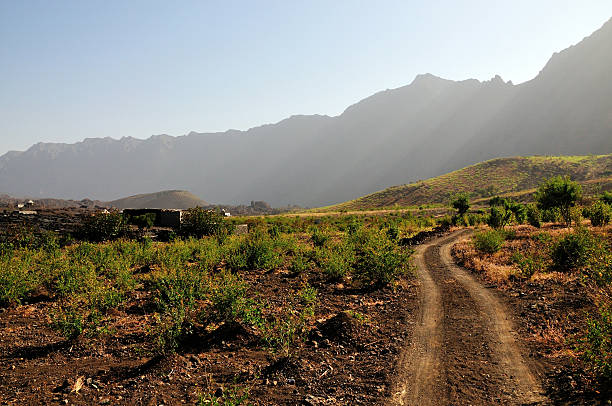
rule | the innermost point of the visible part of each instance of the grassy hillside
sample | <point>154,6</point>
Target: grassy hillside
<point>517,175</point>
<point>167,199</point>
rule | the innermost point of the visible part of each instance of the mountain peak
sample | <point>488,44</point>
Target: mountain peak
<point>428,78</point>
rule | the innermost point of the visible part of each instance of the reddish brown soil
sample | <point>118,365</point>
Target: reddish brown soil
<point>344,361</point>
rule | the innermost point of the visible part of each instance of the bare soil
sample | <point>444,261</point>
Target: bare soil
<point>464,350</point>
<point>348,358</point>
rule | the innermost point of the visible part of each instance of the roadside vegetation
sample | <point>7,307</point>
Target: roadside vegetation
<point>559,243</point>
<point>205,282</point>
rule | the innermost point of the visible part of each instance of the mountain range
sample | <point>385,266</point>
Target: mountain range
<point>427,128</point>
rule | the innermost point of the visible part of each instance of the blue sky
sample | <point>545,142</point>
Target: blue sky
<point>76,69</point>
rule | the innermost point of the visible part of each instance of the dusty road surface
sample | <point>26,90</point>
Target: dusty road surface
<point>463,350</point>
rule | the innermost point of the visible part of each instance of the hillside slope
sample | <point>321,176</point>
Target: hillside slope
<point>497,176</point>
<point>167,199</point>
<point>430,127</point>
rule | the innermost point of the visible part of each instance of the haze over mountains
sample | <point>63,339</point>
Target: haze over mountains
<point>421,130</point>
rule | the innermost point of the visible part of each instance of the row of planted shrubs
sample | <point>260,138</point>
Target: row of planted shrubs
<point>194,283</point>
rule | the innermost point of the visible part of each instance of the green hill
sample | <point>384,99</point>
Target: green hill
<point>167,199</point>
<point>517,176</point>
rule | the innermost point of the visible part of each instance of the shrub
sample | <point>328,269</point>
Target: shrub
<point>69,324</point>
<point>336,261</point>
<point>560,193</point>
<point>573,251</point>
<point>282,330</point>
<point>461,203</point>
<point>170,327</point>
<point>103,226</point>
<point>497,218</point>
<point>474,219</point>
<point>198,222</point>
<point>551,215</point>
<point>534,216</point>
<point>144,220</point>
<point>299,264</point>
<point>256,251</point>
<point>393,232</point>
<point>227,296</point>
<point>606,197</point>
<point>378,260</point>
<point>520,212</point>
<point>596,345</point>
<point>528,264</point>
<point>318,237</point>
<point>228,397</point>
<point>600,214</point>
<point>178,287</point>
<point>489,241</point>
<point>445,221</point>
<point>542,237</point>
<point>16,278</point>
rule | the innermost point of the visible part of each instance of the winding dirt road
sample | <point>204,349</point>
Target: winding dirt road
<point>463,349</point>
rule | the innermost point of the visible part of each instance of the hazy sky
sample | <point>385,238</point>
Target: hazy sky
<point>76,69</point>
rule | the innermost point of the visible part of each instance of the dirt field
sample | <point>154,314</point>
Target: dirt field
<point>449,336</point>
<point>346,360</point>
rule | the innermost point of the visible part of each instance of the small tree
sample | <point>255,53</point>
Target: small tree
<point>561,193</point>
<point>606,197</point>
<point>461,203</point>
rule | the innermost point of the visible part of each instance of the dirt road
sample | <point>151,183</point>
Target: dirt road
<point>463,349</point>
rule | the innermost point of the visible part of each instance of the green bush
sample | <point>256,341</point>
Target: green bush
<point>498,218</point>
<point>144,220</point>
<point>596,345</point>
<point>534,216</point>
<point>228,397</point>
<point>178,287</point>
<point>542,237</point>
<point>256,251</point>
<point>551,215</point>
<point>299,264</point>
<point>606,197</point>
<point>169,329</point>
<point>489,241</point>
<point>318,238</point>
<point>69,324</point>
<point>198,222</point>
<point>600,214</point>
<point>378,260</point>
<point>103,226</point>
<point>336,261</point>
<point>573,251</point>
<point>461,203</point>
<point>520,212</point>
<point>528,264</point>
<point>17,278</point>
<point>282,330</point>
<point>227,295</point>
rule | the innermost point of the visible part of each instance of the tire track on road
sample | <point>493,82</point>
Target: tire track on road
<point>463,348</point>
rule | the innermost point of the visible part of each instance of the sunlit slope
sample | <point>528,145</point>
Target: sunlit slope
<point>497,176</point>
